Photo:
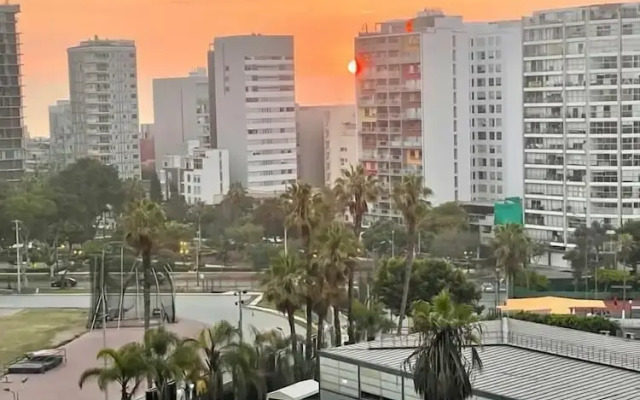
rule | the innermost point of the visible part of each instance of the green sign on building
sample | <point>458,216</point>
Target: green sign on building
<point>508,211</point>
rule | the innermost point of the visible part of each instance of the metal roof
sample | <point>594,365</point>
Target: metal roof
<point>517,374</point>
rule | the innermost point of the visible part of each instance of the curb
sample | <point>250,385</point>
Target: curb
<point>254,306</point>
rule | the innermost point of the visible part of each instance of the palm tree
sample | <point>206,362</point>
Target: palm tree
<point>440,369</point>
<point>410,199</point>
<point>511,249</point>
<point>625,247</point>
<point>282,288</point>
<point>215,342</point>
<point>301,206</point>
<point>337,250</point>
<point>144,220</point>
<point>168,357</point>
<point>274,355</point>
<point>126,367</point>
<point>243,363</point>
<point>355,189</point>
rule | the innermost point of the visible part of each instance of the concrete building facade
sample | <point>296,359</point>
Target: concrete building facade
<point>104,103</point>
<point>340,141</point>
<point>39,155</point>
<point>201,175</point>
<point>253,81</point>
<point>60,133</point>
<point>12,137</point>
<point>310,130</point>
<point>433,100</point>
<point>181,112</point>
<point>581,119</point>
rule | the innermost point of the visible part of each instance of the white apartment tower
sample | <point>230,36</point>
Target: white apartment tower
<point>104,103</point>
<point>432,100</point>
<point>581,119</point>
<point>496,113</point>
<point>340,141</point>
<point>181,112</point>
<point>12,141</point>
<point>253,82</point>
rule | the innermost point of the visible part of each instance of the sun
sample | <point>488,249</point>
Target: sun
<point>353,66</point>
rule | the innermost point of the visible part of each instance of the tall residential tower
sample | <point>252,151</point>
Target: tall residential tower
<point>252,77</point>
<point>104,103</point>
<point>581,119</point>
<point>12,142</point>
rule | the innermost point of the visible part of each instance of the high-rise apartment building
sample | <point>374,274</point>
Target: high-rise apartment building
<point>104,103</point>
<point>310,130</point>
<point>253,82</point>
<point>440,98</point>
<point>581,119</point>
<point>181,112</point>
<point>340,141</point>
<point>60,133</point>
<point>495,58</point>
<point>12,145</point>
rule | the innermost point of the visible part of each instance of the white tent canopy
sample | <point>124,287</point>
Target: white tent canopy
<point>297,391</point>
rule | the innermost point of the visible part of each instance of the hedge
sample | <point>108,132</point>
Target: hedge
<point>593,324</point>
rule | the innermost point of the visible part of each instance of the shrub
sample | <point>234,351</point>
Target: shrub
<point>593,324</point>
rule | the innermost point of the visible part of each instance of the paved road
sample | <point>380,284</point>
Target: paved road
<point>207,309</point>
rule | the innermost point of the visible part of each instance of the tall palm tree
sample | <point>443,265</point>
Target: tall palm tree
<point>168,357</point>
<point>214,343</point>
<point>625,247</point>
<point>126,367</point>
<point>144,220</point>
<point>243,363</point>
<point>355,189</point>
<point>511,249</point>
<point>301,205</point>
<point>337,250</point>
<point>440,369</point>
<point>410,198</point>
<point>282,288</point>
<point>274,355</point>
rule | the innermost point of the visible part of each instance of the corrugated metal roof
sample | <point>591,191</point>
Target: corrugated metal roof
<point>520,374</point>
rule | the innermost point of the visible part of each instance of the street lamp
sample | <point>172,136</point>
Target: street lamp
<point>240,303</point>
<point>17,223</point>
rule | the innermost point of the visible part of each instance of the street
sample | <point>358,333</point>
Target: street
<point>205,308</point>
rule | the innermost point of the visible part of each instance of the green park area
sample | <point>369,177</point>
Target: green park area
<point>37,329</point>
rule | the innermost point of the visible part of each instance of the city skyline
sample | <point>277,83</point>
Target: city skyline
<point>49,28</point>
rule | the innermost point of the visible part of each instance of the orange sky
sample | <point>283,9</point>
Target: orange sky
<point>173,36</point>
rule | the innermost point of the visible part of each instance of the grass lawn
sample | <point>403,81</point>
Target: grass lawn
<point>36,329</point>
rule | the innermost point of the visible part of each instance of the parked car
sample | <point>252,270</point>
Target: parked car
<point>488,287</point>
<point>65,282</point>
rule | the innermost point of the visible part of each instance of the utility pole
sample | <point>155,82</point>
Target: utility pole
<point>198,253</point>
<point>393,244</point>
<point>18,258</point>
<point>285,241</point>
<point>240,303</point>
<point>103,288</point>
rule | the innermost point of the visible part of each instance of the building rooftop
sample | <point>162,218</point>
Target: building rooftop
<point>523,361</point>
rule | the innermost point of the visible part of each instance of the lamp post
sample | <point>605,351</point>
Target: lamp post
<point>240,303</point>
<point>15,395</point>
<point>393,244</point>
<point>18,257</point>
<point>198,253</point>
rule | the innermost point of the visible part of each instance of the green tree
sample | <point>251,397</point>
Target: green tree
<point>382,235</point>
<point>270,215</point>
<point>167,358</point>
<point>274,355</point>
<point>428,278</point>
<point>440,369</point>
<point>144,222</point>
<point>93,187</point>
<point>356,190</point>
<point>246,378</point>
<point>511,249</point>
<point>626,247</point>
<point>370,320</point>
<point>301,207</point>
<point>409,197</point>
<point>176,209</point>
<point>155,188</point>
<point>445,217</point>
<point>633,258</point>
<point>125,366</point>
<point>245,234</point>
<point>453,244</point>
<point>337,250</point>
<point>133,190</point>
<point>282,288</point>
<point>215,342</point>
